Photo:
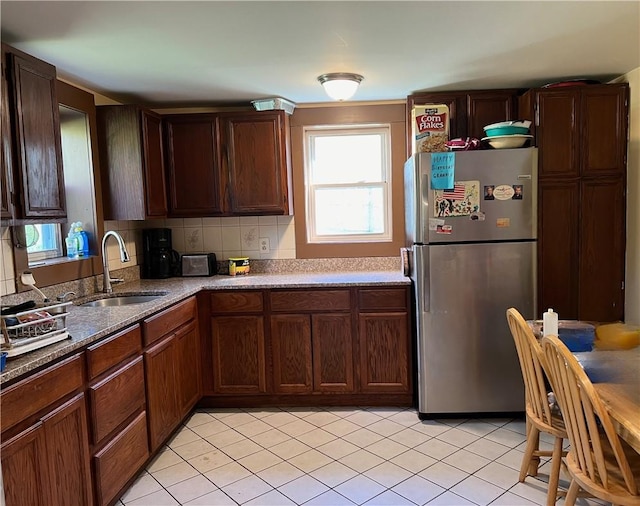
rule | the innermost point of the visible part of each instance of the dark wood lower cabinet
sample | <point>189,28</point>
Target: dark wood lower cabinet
<point>25,473</point>
<point>558,247</point>
<point>384,354</point>
<point>335,346</point>
<point>238,354</point>
<point>332,353</point>
<point>291,349</point>
<point>48,463</point>
<point>602,243</point>
<point>188,360</point>
<point>162,399</point>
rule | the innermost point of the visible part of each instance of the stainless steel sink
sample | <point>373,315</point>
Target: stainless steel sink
<point>121,299</point>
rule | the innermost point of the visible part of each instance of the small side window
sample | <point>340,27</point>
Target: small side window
<point>43,241</point>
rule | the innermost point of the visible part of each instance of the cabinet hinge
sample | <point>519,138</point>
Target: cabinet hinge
<point>622,287</point>
<point>536,114</point>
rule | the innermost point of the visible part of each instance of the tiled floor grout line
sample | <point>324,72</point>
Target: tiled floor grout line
<point>457,424</point>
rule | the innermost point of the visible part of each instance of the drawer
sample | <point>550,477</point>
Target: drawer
<point>121,459</point>
<point>113,350</point>
<point>117,397</point>
<point>169,320</point>
<point>311,300</point>
<point>29,396</point>
<point>382,299</point>
<point>236,302</point>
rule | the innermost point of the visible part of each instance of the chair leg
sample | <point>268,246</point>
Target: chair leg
<point>572,493</point>
<point>554,475</point>
<point>529,462</point>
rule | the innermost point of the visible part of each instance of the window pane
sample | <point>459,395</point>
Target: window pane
<point>43,241</point>
<point>346,158</point>
<point>349,211</point>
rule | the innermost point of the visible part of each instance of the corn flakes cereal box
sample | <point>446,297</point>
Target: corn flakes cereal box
<point>430,128</point>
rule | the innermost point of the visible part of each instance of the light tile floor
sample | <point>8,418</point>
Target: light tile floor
<point>340,456</point>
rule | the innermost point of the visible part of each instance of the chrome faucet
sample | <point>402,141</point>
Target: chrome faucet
<point>124,257</point>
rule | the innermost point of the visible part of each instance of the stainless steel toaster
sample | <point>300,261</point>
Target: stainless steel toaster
<point>199,264</point>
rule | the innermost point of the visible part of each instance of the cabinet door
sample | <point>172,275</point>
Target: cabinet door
<point>25,475</point>
<point>384,362</point>
<point>602,247</point>
<point>194,177</point>
<point>68,458</point>
<point>332,353</point>
<point>558,247</point>
<point>188,362</point>
<point>238,354</point>
<point>154,175</point>
<point>486,108</point>
<point>604,130</point>
<point>162,402</point>
<point>37,137</point>
<point>256,163</point>
<point>291,345</point>
<point>6,167</point>
<point>557,132</point>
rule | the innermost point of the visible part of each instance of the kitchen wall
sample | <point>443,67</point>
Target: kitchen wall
<point>226,237</point>
<point>632,273</point>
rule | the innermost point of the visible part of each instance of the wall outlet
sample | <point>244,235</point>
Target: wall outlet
<point>264,245</point>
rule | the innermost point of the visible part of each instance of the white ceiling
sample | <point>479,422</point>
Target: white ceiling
<point>211,52</point>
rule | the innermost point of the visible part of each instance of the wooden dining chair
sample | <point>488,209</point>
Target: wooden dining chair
<point>599,462</point>
<point>540,417</point>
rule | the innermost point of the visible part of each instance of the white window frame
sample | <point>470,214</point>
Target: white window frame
<point>309,133</point>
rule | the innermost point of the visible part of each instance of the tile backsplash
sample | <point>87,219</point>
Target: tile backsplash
<point>226,237</point>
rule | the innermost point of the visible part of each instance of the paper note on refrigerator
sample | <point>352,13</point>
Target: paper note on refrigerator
<point>442,170</point>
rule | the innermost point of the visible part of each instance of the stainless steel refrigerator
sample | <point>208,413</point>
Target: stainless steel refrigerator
<point>472,255</point>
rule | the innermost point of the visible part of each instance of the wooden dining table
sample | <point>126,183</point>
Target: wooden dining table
<point>615,374</point>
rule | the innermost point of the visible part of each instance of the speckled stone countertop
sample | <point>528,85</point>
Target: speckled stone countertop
<point>89,324</point>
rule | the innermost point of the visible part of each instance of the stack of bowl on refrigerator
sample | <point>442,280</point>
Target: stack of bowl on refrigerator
<point>507,134</point>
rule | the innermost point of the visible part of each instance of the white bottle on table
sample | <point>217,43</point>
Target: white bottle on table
<point>550,323</point>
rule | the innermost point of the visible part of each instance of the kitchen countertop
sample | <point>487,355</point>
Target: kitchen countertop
<point>89,324</point>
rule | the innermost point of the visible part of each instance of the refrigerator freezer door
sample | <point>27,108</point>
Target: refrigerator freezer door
<point>467,360</point>
<point>508,219</point>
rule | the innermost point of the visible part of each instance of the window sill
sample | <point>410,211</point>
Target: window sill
<point>54,271</point>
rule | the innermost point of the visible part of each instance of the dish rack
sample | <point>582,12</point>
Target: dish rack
<point>29,330</point>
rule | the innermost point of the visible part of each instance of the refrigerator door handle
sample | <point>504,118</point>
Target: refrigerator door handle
<point>423,287</point>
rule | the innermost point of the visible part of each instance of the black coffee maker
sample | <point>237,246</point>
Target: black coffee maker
<point>159,259</point>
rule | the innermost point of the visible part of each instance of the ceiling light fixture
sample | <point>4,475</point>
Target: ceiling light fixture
<point>340,85</point>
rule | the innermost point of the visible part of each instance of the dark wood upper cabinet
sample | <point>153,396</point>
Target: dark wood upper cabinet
<point>6,204</point>
<point>487,107</point>
<point>130,143</point>
<point>470,111</point>
<point>31,114</point>
<point>228,164</point>
<point>604,130</point>
<point>193,164</point>
<point>255,162</point>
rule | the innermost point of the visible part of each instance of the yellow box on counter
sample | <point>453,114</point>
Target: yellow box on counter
<point>430,128</point>
<point>239,266</point>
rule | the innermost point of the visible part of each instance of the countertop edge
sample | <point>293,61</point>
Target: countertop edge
<point>89,325</point>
